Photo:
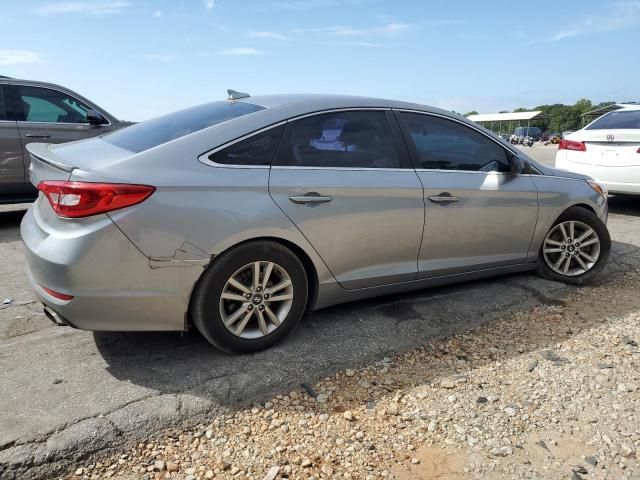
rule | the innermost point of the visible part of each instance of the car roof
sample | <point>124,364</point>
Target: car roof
<point>317,102</point>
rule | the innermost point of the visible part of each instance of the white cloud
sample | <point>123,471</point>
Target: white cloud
<point>241,51</point>
<point>157,13</point>
<point>391,28</point>
<point>209,4</point>
<point>268,35</point>
<point>619,16</point>
<point>160,57</point>
<point>14,57</point>
<point>394,27</point>
<point>87,7</point>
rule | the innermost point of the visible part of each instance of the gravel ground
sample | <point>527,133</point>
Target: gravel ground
<point>549,393</point>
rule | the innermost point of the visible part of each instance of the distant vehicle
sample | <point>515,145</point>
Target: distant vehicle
<point>37,111</point>
<point>533,132</point>
<point>608,149</point>
<point>241,216</point>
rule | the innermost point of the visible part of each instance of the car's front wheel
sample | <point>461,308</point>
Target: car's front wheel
<point>250,297</point>
<point>576,248</point>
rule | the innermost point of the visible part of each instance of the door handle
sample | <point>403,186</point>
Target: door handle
<point>33,135</point>
<point>311,198</point>
<point>444,197</point>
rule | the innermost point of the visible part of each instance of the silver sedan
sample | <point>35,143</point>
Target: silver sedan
<point>242,216</point>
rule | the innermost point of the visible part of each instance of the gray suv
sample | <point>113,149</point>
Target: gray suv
<point>40,112</point>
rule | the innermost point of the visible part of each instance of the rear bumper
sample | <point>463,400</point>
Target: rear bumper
<point>616,179</point>
<point>113,286</point>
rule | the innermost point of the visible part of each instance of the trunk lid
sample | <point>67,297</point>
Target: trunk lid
<point>57,162</point>
<point>608,148</point>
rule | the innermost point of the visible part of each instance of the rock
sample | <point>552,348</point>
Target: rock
<point>272,473</point>
<point>510,411</point>
<point>348,415</point>
<point>481,400</point>
<point>415,461</point>
<point>501,451</point>
<point>79,471</point>
<point>327,470</point>
<point>190,471</point>
<point>532,365</point>
<point>591,461</point>
<point>323,417</point>
<point>603,366</point>
<point>234,470</point>
<point>158,465</point>
<point>447,383</point>
<point>172,467</point>
<point>349,373</point>
<point>209,474</point>
<point>190,477</point>
<point>306,462</point>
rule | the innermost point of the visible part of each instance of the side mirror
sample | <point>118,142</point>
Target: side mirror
<point>517,164</point>
<point>95,118</point>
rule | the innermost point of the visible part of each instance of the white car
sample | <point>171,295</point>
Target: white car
<point>608,150</point>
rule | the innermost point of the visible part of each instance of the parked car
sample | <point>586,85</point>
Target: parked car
<point>241,216</point>
<point>35,111</point>
<point>607,149</point>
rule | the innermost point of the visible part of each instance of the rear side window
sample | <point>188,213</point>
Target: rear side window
<point>3,102</point>
<point>620,120</point>
<point>361,139</point>
<point>442,144</point>
<point>258,149</point>
<point>45,105</point>
<point>151,133</point>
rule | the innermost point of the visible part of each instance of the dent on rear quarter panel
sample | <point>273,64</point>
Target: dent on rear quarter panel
<point>555,195</point>
<point>188,225</point>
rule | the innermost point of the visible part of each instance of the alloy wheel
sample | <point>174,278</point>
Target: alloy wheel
<point>256,299</point>
<point>571,248</point>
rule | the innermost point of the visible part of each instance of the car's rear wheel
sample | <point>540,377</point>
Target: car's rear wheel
<point>576,248</point>
<point>250,297</point>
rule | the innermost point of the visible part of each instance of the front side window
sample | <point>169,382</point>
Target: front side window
<point>151,133</point>
<point>354,139</point>
<point>620,120</point>
<point>442,144</point>
<point>258,149</point>
<point>50,106</point>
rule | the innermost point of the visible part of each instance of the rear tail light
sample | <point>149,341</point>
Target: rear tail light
<point>571,145</point>
<point>83,199</point>
<point>58,295</point>
<point>638,151</point>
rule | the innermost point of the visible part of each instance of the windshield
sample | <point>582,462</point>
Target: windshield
<point>151,133</point>
<point>617,120</point>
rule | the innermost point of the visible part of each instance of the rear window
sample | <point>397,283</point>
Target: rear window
<point>617,120</point>
<point>151,133</point>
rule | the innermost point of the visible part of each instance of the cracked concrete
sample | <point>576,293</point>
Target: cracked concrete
<point>69,394</point>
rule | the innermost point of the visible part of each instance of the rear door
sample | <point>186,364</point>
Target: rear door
<point>11,156</point>
<point>51,116</point>
<point>345,180</point>
<point>477,215</point>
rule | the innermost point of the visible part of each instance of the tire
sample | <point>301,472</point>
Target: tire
<point>576,274</point>
<point>265,319</point>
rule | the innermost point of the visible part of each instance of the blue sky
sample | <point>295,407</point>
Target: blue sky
<point>139,59</point>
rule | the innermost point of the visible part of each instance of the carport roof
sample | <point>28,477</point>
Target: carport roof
<point>505,117</point>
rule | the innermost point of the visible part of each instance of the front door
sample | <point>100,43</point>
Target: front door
<point>477,214</point>
<point>11,161</point>
<point>344,182</point>
<point>50,116</point>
